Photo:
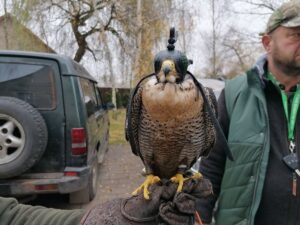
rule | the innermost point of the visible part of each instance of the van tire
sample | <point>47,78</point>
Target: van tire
<point>23,136</point>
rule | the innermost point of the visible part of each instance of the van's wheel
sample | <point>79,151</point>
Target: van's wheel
<point>93,181</point>
<point>88,193</point>
<point>23,136</point>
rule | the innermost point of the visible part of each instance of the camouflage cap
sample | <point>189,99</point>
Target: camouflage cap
<point>287,15</point>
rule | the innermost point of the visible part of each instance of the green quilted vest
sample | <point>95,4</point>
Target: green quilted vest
<point>249,142</point>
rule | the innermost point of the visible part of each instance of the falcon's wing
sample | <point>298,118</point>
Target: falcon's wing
<point>210,129</point>
<point>212,101</point>
<point>211,116</point>
<point>133,117</point>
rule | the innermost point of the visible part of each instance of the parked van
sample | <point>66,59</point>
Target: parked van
<point>54,126</point>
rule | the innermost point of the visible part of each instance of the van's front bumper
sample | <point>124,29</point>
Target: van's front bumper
<point>71,180</point>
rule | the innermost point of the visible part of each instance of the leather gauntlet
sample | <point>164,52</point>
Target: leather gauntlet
<point>165,206</point>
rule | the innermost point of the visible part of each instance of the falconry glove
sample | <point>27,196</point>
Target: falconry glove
<point>165,207</point>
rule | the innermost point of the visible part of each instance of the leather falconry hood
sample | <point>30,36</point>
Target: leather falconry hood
<point>180,59</point>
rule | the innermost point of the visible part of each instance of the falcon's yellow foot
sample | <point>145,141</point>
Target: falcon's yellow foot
<point>151,179</point>
<point>197,176</point>
<point>179,179</point>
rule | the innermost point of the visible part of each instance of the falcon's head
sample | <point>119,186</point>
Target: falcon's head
<point>171,65</point>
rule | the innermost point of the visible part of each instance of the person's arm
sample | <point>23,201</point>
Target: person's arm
<point>13,213</point>
<point>212,167</point>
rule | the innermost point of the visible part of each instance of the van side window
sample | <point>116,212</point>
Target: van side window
<point>89,93</point>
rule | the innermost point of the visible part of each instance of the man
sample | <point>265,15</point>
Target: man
<point>259,115</point>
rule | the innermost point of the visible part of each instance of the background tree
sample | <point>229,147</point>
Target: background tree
<point>231,45</point>
<point>240,52</point>
<point>151,26</point>
<point>82,18</point>
<point>217,14</point>
<point>5,25</point>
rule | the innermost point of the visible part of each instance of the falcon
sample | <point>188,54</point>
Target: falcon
<point>170,120</point>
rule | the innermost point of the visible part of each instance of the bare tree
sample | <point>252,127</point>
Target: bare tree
<point>214,39</point>
<point>109,59</point>
<point>151,18</point>
<point>214,36</point>
<point>258,7</point>
<point>232,50</point>
<point>240,48</point>
<point>182,18</point>
<point>85,18</point>
<point>239,51</point>
<point>138,52</point>
<point>5,25</point>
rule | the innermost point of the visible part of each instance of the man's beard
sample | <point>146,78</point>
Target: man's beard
<point>289,67</point>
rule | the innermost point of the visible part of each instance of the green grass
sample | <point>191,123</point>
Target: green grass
<point>117,126</point>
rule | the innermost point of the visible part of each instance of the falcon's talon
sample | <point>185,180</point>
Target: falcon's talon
<point>136,191</point>
<point>178,178</point>
<point>197,176</point>
<point>151,179</point>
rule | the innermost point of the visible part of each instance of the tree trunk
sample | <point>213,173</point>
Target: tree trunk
<point>214,55</point>
<point>138,43</point>
<point>5,25</point>
<point>111,70</point>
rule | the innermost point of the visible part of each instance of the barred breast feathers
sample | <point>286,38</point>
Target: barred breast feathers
<point>165,100</point>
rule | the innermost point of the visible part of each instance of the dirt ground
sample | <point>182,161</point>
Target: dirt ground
<point>119,176</point>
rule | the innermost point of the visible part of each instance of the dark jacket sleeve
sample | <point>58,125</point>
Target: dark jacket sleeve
<point>212,167</point>
<point>13,213</point>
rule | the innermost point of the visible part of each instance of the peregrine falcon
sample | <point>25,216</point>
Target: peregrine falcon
<point>170,119</point>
